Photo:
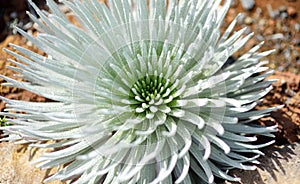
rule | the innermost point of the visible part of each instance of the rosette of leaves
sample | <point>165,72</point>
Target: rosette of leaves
<point>141,93</point>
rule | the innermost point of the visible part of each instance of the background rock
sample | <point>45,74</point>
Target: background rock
<point>280,165</point>
<point>16,168</point>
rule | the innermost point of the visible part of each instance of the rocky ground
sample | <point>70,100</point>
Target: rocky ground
<point>16,168</point>
<point>276,22</point>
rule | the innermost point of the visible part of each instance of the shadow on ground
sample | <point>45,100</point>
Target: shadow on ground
<point>280,164</point>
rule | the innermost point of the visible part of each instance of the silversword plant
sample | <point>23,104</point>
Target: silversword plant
<point>141,93</point>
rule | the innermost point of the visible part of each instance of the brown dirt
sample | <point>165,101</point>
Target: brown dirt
<point>287,55</point>
<point>285,61</point>
<point>9,92</point>
<point>281,164</point>
<point>286,92</point>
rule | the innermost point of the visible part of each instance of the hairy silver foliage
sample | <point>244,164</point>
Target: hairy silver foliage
<point>142,93</point>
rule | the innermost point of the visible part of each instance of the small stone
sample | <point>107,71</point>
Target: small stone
<point>278,47</point>
<point>248,20</point>
<point>278,25</point>
<point>282,9</point>
<point>234,3</point>
<point>13,15</point>
<point>292,12</point>
<point>284,15</point>
<point>258,13</point>
<point>297,27</point>
<point>248,4</point>
<point>296,42</point>
<point>271,22</point>
<point>273,14</point>
<point>261,22</point>
<point>285,28</point>
<point>278,36</point>
<point>260,37</point>
<point>287,54</point>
